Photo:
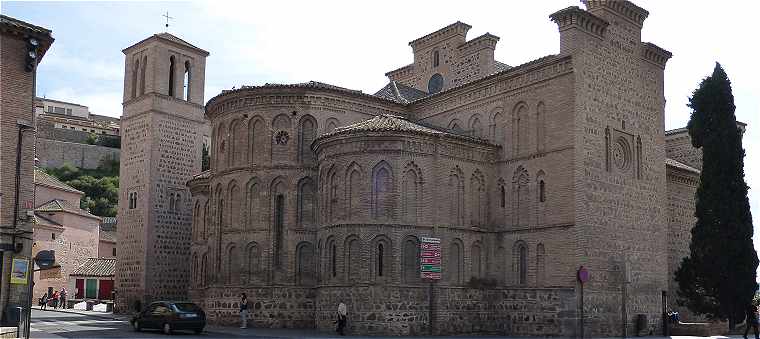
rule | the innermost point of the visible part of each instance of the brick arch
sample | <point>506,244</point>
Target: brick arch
<point>476,260</point>
<point>540,265</point>
<point>254,209</point>
<point>257,136</point>
<point>254,268</point>
<point>540,126</point>
<point>354,190</point>
<point>455,262</point>
<point>456,125</point>
<point>456,196</point>
<point>475,126</point>
<point>278,197</point>
<point>478,198</point>
<point>383,189</point>
<point>521,198</point>
<point>305,273</point>
<point>411,193</point>
<point>280,151</point>
<point>221,147</point>
<point>332,194</point>
<point>234,210</point>
<point>238,143</point>
<point>330,259</point>
<point>331,124</point>
<point>520,129</point>
<point>498,125</point>
<point>232,267</point>
<point>410,260</point>
<point>307,132</point>
<point>353,254</point>
<point>306,202</point>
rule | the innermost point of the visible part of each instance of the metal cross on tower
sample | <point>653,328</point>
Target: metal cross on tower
<point>167,19</point>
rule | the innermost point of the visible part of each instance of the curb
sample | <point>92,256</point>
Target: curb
<point>95,315</point>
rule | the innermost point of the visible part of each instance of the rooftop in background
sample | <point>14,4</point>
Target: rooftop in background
<point>96,267</point>
<point>44,179</point>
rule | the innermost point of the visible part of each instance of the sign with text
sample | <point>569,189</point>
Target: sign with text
<point>430,258</point>
<point>19,271</point>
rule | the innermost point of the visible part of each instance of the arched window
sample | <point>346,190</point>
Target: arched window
<point>522,199</point>
<point>305,202</point>
<point>135,72</point>
<point>522,264</point>
<point>278,202</point>
<point>502,196</point>
<point>541,191</point>
<point>520,130</point>
<point>476,127</point>
<point>332,124</point>
<point>410,261</point>
<point>205,220</point>
<point>380,257</point>
<point>142,74</point>
<point>171,76</point>
<point>237,143</point>
<point>436,58</point>
<point>178,203</point>
<point>186,81</point>
<point>477,199</point>
<point>171,202</point>
<point>253,201</point>
<point>204,266</point>
<point>194,271</point>
<point>307,131</point>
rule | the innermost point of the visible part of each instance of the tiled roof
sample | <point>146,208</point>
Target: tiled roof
<point>57,205</point>
<point>39,219</point>
<point>109,236</point>
<point>172,38</point>
<point>96,267</point>
<point>393,123</point>
<point>400,93</point>
<point>673,163</point>
<point>44,179</point>
<point>203,175</point>
<point>500,66</point>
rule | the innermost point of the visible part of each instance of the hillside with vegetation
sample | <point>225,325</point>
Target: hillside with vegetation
<point>100,186</point>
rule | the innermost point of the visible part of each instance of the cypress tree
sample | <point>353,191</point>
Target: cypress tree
<point>718,278</point>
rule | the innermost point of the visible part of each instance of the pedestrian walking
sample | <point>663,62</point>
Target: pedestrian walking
<point>752,320</point>
<point>342,315</point>
<point>44,301</point>
<point>244,311</point>
<point>63,298</point>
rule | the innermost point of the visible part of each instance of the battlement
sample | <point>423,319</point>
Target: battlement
<point>655,54</point>
<point>624,9</point>
<point>456,29</point>
<point>574,17</point>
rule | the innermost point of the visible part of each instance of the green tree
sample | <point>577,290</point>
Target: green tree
<point>100,185</point>
<point>718,278</point>
<point>92,139</point>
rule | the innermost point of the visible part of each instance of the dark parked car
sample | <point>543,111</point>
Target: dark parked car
<point>170,316</point>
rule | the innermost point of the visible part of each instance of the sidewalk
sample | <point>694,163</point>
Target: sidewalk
<point>102,315</point>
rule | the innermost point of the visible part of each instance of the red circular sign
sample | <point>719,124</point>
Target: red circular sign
<point>582,275</point>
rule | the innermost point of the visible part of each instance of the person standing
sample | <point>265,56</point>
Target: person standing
<point>342,315</point>
<point>752,320</point>
<point>55,299</point>
<point>244,311</point>
<point>63,298</point>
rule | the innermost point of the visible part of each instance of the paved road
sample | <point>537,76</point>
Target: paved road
<point>47,324</point>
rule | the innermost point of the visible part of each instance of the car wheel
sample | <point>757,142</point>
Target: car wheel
<point>136,326</point>
<point>167,328</point>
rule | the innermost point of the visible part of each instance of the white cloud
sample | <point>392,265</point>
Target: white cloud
<point>102,103</point>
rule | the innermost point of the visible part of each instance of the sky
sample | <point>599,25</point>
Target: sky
<point>354,43</point>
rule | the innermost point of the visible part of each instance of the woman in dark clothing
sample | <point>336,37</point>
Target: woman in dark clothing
<point>751,320</point>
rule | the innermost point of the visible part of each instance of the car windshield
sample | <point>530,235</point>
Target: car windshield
<point>186,307</point>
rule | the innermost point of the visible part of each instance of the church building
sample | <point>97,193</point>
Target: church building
<point>319,194</point>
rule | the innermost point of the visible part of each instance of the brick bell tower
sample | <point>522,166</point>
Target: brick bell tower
<point>163,129</point>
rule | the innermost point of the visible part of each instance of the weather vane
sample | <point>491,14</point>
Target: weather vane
<point>167,19</point>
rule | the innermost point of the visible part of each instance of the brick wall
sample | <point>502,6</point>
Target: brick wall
<point>54,154</point>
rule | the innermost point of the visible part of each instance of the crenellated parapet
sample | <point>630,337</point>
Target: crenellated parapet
<point>622,8</point>
<point>485,41</point>
<point>655,54</point>
<point>574,17</point>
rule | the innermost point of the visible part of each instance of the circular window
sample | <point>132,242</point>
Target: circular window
<point>621,154</point>
<point>435,84</point>
<point>281,138</point>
